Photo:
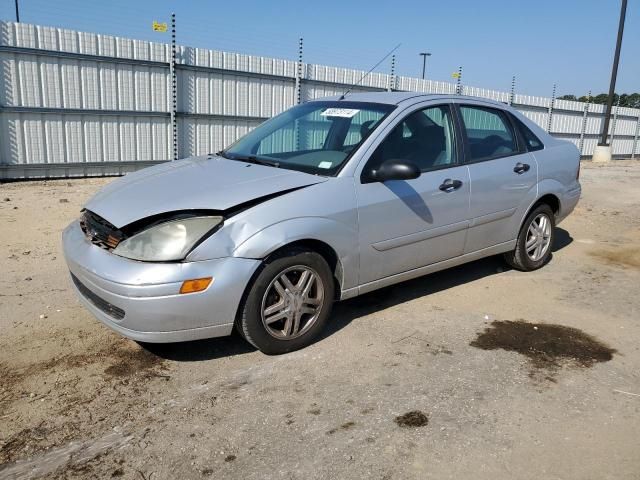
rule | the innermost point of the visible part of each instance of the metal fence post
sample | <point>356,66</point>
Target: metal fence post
<point>551,107</point>
<point>513,90</point>
<point>174,89</point>
<point>585,115</point>
<point>299,74</point>
<point>393,73</point>
<point>635,139</point>
<point>613,124</point>
<point>459,82</point>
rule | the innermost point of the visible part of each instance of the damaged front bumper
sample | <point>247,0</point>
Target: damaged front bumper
<point>142,300</point>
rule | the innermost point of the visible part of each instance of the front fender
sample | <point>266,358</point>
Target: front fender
<point>340,237</point>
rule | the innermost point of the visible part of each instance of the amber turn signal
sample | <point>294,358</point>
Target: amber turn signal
<point>195,285</point>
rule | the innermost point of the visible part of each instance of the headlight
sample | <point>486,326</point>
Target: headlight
<point>167,241</point>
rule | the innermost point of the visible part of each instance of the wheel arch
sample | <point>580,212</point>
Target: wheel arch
<point>334,241</point>
<point>325,250</point>
<point>550,199</point>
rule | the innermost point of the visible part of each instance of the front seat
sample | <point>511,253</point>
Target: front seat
<point>366,128</point>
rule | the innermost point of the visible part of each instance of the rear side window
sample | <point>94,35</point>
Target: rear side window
<point>489,133</point>
<point>532,142</point>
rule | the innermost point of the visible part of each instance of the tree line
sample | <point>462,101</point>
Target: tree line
<point>631,100</point>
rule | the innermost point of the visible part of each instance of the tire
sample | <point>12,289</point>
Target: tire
<point>527,261</point>
<point>288,303</point>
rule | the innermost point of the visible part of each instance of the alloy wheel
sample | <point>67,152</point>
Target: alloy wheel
<point>538,237</point>
<point>292,302</point>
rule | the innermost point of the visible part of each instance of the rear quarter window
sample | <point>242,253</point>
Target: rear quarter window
<point>531,141</point>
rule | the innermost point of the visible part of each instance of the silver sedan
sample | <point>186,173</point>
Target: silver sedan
<point>328,200</point>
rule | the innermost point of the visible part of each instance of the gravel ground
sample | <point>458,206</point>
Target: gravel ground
<point>477,372</point>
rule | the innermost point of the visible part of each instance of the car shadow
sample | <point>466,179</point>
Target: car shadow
<point>411,198</point>
<point>561,240</point>
<point>347,311</point>
<point>200,350</point>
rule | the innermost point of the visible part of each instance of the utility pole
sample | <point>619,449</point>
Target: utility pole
<point>603,150</point>
<point>424,56</point>
<point>17,12</point>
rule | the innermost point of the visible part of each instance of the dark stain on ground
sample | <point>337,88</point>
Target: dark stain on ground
<point>123,359</point>
<point>547,346</point>
<point>414,418</point>
<point>344,426</point>
<point>128,362</point>
<point>230,458</point>
<point>36,439</point>
<point>622,257</point>
<point>20,441</point>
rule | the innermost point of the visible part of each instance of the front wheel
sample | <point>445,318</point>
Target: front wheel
<point>289,302</point>
<point>533,247</point>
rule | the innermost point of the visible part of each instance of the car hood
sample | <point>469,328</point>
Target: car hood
<point>197,183</point>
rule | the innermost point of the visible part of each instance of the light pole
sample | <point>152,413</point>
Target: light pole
<point>603,150</point>
<point>17,12</point>
<point>424,56</point>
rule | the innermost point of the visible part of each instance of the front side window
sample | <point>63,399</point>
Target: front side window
<point>316,137</point>
<point>424,137</point>
<point>489,133</point>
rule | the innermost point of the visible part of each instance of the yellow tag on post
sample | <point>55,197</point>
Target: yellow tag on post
<point>159,27</point>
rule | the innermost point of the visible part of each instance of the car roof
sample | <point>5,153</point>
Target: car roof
<point>396,98</point>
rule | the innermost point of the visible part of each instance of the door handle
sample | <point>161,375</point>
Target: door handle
<point>450,185</point>
<point>521,168</point>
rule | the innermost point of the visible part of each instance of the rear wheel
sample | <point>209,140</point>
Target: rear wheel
<point>289,302</point>
<point>533,247</point>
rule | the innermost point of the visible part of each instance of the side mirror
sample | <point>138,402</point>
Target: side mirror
<point>393,169</point>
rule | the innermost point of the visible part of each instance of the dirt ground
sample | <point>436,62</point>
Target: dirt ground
<point>478,372</point>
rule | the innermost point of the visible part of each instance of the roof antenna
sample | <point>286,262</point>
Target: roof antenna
<point>367,74</point>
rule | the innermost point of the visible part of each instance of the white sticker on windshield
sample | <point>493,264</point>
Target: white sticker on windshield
<point>325,164</point>
<point>340,112</point>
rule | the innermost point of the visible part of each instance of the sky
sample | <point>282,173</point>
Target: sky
<point>541,42</point>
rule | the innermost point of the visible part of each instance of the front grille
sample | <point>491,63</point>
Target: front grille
<point>97,301</point>
<point>99,231</point>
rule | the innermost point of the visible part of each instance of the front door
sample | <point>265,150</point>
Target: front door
<point>407,224</point>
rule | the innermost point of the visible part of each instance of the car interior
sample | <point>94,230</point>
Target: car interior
<point>489,143</point>
<point>420,139</point>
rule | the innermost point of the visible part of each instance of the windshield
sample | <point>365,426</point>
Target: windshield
<point>315,137</point>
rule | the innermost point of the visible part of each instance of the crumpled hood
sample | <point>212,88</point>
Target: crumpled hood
<point>197,183</point>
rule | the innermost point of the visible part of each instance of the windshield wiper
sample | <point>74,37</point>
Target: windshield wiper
<point>248,158</point>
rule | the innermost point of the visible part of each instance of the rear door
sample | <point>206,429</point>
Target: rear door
<point>502,173</point>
